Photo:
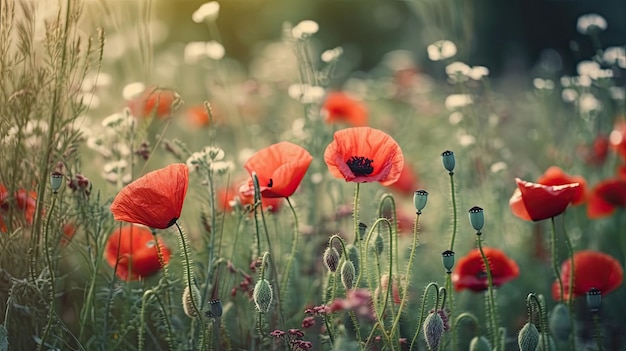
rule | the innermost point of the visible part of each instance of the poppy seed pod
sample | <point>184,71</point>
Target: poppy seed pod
<point>215,308</point>
<point>353,256</point>
<point>594,299</point>
<point>447,158</point>
<point>262,295</point>
<point>187,302</point>
<point>347,275</point>
<point>528,337</point>
<point>331,259</point>
<point>433,330</point>
<point>477,218</point>
<point>480,343</point>
<point>56,180</point>
<point>448,260</point>
<point>560,322</point>
<point>420,197</point>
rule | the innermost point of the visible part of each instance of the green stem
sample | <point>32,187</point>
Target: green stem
<point>470,316</point>
<point>555,266</point>
<point>570,289</point>
<point>357,239</point>
<point>294,246</point>
<point>597,331</point>
<point>422,309</point>
<point>407,274</point>
<point>454,211</point>
<point>490,300</point>
<point>47,248</point>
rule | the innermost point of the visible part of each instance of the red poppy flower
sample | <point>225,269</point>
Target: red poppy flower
<point>340,107</point>
<point>134,250</point>
<point>279,168</point>
<point>470,272</point>
<point>243,195</point>
<point>532,201</point>
<point>618,138</point>
<point>596,153</point>
<point>198,116</point>
<point>407,183</point>
<point>69,229</point>
<point>4,206</point>
<point>364,154</point>
<point>555,176</point>
<point>26,201</point>
<point>157,102</point>
<point>155,200</point>
<point>592,269</point>
<point>605,197</point>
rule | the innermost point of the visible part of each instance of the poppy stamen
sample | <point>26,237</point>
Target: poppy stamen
<point>271,183</point>
<point>360,166</point>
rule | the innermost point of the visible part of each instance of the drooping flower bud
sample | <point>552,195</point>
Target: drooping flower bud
<point>187,302</point>
<point>262,295</point>
<point>551,344</point>
<point>447,158</point>
<point>353,256</point>
<point>528,337</point>
<point>594,299</point>
<point>56,180</point>
<point>477,218</point>
<point>420,198</point>
<point>347,274</point>
<point>433,330</point>
<point>560,323</point>
<point>448,260</point>
<point>331,258</point>
<point>480,343</point>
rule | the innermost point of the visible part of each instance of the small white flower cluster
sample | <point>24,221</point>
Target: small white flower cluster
<point>114,172</point>
<point>332,54</point>
<point>305,29</point>
<point>586,24</point>
<point>460,72</point>
<point>212,158</point>
<point>305,93</point>
<point>196,50</point>
<point>206,12</point>
<point>441,50</point>
<point>31,134</point>
<point>456,101</point>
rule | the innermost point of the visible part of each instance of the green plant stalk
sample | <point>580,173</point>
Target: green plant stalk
<point>448,283</point>
<point>449,291</point>
<point>422,309</point>
<point>188,271</point>
<point>394,218</point>
<point>52,301</point>
<point>409,267</point>
<point>542,321</point>
<point>212,233</point>
<point>142,316</point>
<point>357,239</point>
<point>490,300</point>
<point>294,246</point>
<point>554,254</point>
<point>168,296</point>
<point>471,317</point>
<point>86,308</point>
<point>454,211</point>
<point>597,331</point>
<point>570,289</point>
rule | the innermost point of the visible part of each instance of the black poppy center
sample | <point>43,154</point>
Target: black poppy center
<point>360,166</point>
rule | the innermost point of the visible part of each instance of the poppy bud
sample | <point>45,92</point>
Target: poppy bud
<point>331,258</point>
<point>528,337</point>
<point>480,343</point>
<point>187,303</point>
<point>353,256</point>
<point>560,323</point>
<point>420,198</point>
<point>215,308</point>
<point>379,244</point>
<point>447,158</point>
<point>448,260</point>
<point>262,295</point>
<point>433,330</point>
<point>56,180</point>
<point>551,343</point>
<point>594,299</point>
<point>362,228</point>
<point>347,274</point>
<point>477,218</point>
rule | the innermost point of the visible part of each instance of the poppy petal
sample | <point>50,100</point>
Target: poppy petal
<point>556,176</point>
<point>469,273</point>
<point>592,269</point>
<point>154,200</point>
<point>340,107</point>
<point>542,201</point>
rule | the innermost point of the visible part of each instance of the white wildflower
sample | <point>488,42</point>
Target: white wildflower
<point>543,84</point>
<point>306,93</point>
<point>332,54</point>
<point>195,160</point>
<point>317,178</point>
<point>617,93</point>
<point>589,22</point>
<point>614,55</point>
<point>35,127</point>
<point>478,72</point>
<point>194,51</point>
<point>305,29</point>
<point>465,139</point>
<point>458,68</point>
<point>498,167</point>
<point>207,11</point>
<point>589,103</point>
<point>131,90</point>
<point>213,153</point>
<point>588,68</point>
<point>115,166</point>
<point>569,95</point>
<point>441,50</point>
<point>215,50</point>
<point>456,101</point>
<point>222,167</point>
<point>455,118</point>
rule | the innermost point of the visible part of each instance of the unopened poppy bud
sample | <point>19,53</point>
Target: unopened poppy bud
<point>262,295</point>
<point>480,343</point>
<point>433,330</point>
<point>560,323</point>
<point>56,180</point>
<point>215,308</point>
<point>594,299</point>
<point>188,294</point>
<point>420,198</point>
<point>347,274</point>
<point>331,258</point>
<point>477,218</point>
<point>362,229</point>
<point>448,260</point>
<point>447,158</point>
<point>528,337</point>
<point>353,256</point>
<point>551,344</point>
